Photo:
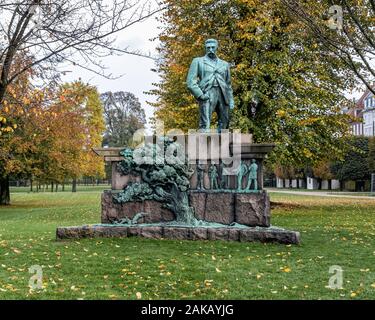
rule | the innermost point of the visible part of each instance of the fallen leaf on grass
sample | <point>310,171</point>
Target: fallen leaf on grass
<point>208,283</point>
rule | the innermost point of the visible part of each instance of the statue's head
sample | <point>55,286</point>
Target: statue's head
<point>211,47</point>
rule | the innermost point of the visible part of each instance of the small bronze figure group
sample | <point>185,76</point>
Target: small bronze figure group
<point>220,181</point>
<point>252,179</point>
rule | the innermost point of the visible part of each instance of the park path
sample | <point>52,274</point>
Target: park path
<point>319,194</point>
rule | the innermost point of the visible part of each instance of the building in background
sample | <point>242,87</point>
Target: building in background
<point>368,102</point>
<point>364,112</point>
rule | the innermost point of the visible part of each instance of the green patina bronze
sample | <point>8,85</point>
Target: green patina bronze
<point>200,177</point>
<point>242,170</point>
<point>213,174</point>
<point>164,178</point>
<point>223,178</point>
<point>253,176</point>
<point>131,222</point>
<point>209,81</point>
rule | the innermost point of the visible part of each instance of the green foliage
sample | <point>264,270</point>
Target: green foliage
<point>322,171</point>
<point>165,177</point>
<point>353,43</point>
<point>371,155</point>
<point>355,165</point>
<point>288,88</point>
<point>136,191</point>
<point>56,130</point>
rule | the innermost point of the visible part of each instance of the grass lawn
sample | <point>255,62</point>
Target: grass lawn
<point>335,231</point>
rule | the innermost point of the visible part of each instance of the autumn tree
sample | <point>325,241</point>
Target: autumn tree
<point>322,171</point>
<point>50,32</point>
<point>288,172</point>
<point>20,149</point>
<point>345,28</point>
<point>59,128</point>
<point>288,88</point>
<point>123,115</point>
<point>77,129</point>
<point>46,33</point>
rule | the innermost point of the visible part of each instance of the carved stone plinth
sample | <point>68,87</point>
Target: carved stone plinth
<point>251,209</point>
<point>112,211</point>
<point>270,234</point>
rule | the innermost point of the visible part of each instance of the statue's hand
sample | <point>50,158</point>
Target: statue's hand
<point>231,106</point>
<point>204,97</point>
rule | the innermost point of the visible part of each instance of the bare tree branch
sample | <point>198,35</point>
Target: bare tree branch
<point>60,29</point>
<point>354,45</point>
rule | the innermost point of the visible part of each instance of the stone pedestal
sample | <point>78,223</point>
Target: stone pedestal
<point>250,209</point>
<point>229,212</point>
<point>112,211</point>
<point>270,234</point>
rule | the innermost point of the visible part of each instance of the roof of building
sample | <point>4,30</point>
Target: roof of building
<point>359,107</point>
<point>360,104</point>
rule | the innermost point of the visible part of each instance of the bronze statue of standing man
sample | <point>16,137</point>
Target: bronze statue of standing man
<point>210,82</point>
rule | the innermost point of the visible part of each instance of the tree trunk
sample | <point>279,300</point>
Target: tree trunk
<point>74,185</point>
<point>3,89</point>
<point>329,184</point>
<point>31,185</point>
<point>179,204</point>
<point>57,187</point>
<point>4,191</point>
<point>52,186</point>
<point>63,186</point>
<point>341,185</point>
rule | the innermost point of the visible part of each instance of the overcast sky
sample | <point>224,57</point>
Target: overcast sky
<point>137,75</point>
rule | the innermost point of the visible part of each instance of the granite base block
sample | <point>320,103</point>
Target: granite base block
<point>271,234</point>
<point>248,208</point>
<point>112,211</point>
